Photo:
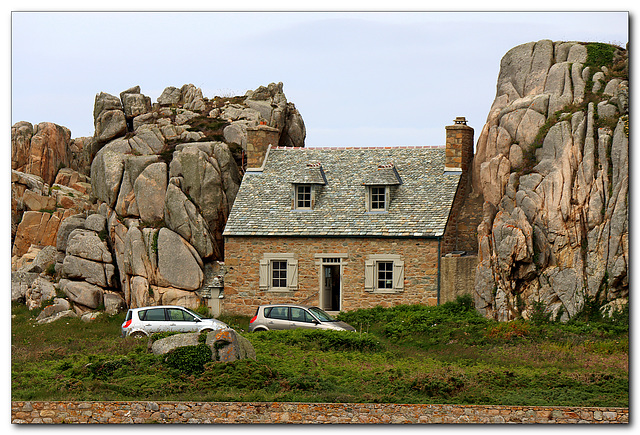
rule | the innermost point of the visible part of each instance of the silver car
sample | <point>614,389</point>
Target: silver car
<point>291,316</point>
<point>144,321</point>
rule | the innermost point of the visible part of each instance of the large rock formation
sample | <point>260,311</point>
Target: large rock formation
<point>552,163</point>
<point>146,227</point>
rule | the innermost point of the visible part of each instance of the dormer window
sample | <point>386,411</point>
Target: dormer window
<point>303,196</point>
<point>377,198</point>
<point>378,183</point>
<point>306,184</point>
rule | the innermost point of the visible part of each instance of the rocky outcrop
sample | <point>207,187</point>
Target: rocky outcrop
<point>40,150</point>
<point>86,264</point>
<point>166,188</point>
<point>38,209</point>
<point>134,215</point>
<point>552,165</point>
<point>44,148</point>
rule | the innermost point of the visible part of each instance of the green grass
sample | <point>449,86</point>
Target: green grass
<point>411,354</point>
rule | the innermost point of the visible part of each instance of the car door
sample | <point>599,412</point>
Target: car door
<point>154,320</point>
<point>181,321</point>
<point>301,318</point>
<point>278,318</point>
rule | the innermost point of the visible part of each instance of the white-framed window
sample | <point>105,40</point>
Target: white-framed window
<point>377,198</point>
<point>303,196</point>
<point>384,273</point>
<point>278,272</point>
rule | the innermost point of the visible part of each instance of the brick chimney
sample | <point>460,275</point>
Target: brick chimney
<point>459,146</point>
<point>258,140</point>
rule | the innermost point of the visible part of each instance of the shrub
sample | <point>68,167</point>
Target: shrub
<point>204,311</point>
<point>507,331</point>
<point>538,314</point>
<point>189,359</point>
<point>599,54</point>
<point>324,340</point>
<point>51,269</point>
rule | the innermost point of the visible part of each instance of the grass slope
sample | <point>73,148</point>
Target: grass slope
<point>410,354</point>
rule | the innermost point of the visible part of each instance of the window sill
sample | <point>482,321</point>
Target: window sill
<point>385,291</point>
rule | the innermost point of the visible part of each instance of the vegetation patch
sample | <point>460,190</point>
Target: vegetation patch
<point>410,354</point>
<point>600,54</point>
<point>189,359</point>
<point>323,340</point>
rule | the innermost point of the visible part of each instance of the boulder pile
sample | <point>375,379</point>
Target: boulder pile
<point>134,215</point>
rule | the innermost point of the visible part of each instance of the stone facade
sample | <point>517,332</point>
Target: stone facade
<point>244,254</point>
<point>303,413</point>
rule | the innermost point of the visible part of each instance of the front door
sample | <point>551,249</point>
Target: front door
<point>331,287</point>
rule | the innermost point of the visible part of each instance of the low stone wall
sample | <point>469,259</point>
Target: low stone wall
<point>302,413</point>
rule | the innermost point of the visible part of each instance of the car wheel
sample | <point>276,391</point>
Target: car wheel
<point>138,334</point>
<point>260,330</point>
<point>206,330</point>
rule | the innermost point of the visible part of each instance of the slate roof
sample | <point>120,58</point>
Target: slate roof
<point>382,175</point>
<point>420,202</point>
<point>312,174</point>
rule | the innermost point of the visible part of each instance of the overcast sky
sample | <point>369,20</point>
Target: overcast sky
<point>358,79</point>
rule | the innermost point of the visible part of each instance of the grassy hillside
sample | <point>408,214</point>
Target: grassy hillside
<point>410,354</point>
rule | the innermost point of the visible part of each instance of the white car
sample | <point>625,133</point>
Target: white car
<point>144,321</point>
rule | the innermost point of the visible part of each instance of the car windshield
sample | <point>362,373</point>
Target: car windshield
<point>321,315</point>
<point>198,316</point>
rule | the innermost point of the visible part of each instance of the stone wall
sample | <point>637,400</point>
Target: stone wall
<point>303,413</point>
<point>457,277</point>
<point>243,255</point>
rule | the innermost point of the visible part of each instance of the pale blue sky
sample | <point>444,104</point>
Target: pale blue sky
<point>368,78</point>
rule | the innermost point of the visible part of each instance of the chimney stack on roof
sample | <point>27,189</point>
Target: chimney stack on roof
<point>258,140</point>
<point>459,146</point>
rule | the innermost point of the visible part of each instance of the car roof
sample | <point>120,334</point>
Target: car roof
<point>287,305</point>
<point>159,306</point>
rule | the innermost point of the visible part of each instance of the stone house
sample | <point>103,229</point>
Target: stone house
<point>346,228</point>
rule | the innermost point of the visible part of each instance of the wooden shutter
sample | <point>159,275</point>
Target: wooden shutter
<point>398,275</point>
<point>387,198</point>
<point>292,274</point>
<point>367,196</point>
<point>369,274</point>
<point>264,275</point>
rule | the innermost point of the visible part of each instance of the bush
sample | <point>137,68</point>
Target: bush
<point>600,54</point>
<point>539,315</point>
<point>189,359</point>
<point>324,340</point>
